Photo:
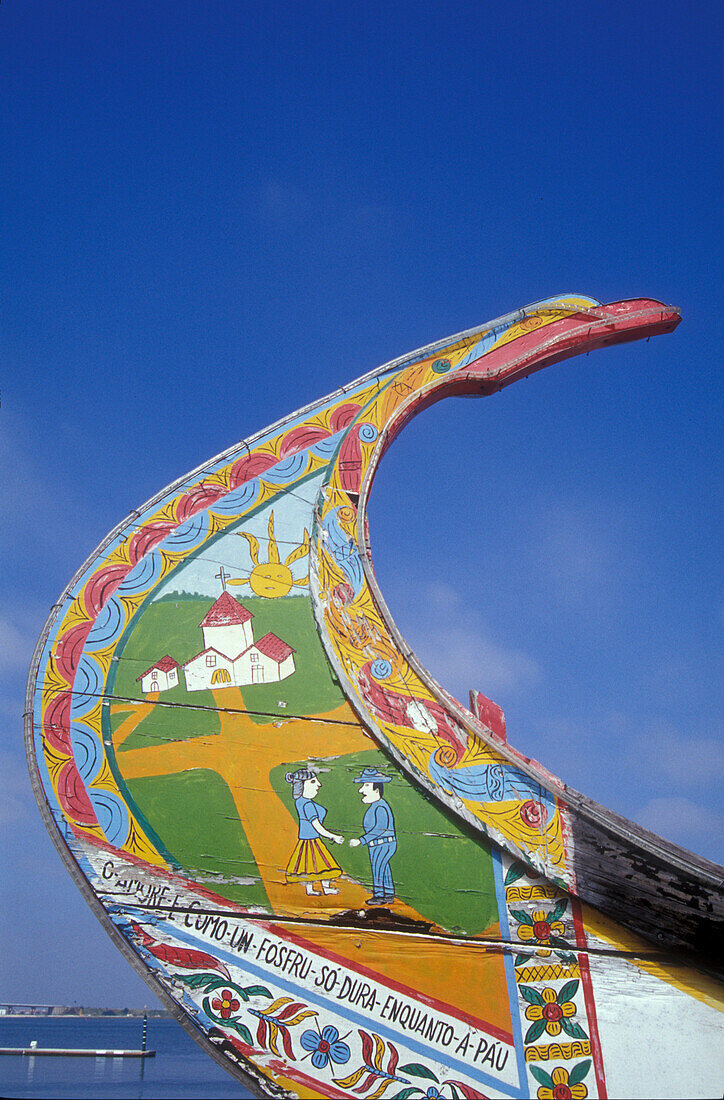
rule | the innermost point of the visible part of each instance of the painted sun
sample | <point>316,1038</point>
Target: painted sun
<point>272,578</point>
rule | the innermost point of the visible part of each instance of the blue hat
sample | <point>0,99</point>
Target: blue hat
<point>372,775</point>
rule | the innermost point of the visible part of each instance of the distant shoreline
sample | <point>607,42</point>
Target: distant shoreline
<point>62,1012</point>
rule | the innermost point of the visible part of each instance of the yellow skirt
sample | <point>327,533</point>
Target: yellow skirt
<point>311,862</point>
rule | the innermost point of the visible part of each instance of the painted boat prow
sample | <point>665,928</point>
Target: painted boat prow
<point>340,880</point>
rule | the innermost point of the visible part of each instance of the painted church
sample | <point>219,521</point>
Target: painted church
<point>231,657</point>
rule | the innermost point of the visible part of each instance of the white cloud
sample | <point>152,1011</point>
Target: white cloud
<point>688,823</point>
<point>686,760</point>
<point>337,213</point>
<point>468,655</point>
<point>455,646</point>
<point>24,494</point>
<point>16,646</point>
<point>16,798</point>
<point>577,549</point>
<point>283,201</point>
<point>672,758</point>
<point>41,515</point>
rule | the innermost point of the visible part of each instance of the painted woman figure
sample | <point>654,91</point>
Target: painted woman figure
<point>310,861</point>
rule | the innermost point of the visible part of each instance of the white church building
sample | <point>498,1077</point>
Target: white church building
<point>231,657</point>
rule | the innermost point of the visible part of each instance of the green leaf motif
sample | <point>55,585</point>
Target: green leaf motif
<point>558,911</point>
<point>574,1030</point>
<point>257,991</point>
<point>522,960</point>
<point>535,1031</point>
<point>521,917</point>
<point>516,871</point>
<point>566,956</point>
<point>406,1093</point>
<point>532,996</point>
<point>243,1031</point>
<point>195,981</point>
<point>579,1072</point>
<point>418,1070</point>
<point>568,991</point>
<point>541,1076</point>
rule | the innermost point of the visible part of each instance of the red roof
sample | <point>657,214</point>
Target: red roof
<point>210,649</point>
<point>165,665</point>
<point>226,612</point>
<point>274,647</point>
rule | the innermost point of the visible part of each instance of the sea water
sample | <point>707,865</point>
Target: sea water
<point>180,1070</point>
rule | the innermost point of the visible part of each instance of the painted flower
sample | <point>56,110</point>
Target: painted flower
<point>327,1047</point>
<point>346,514</point>
<point>551,1014</point>
<point>561,1087</point>
<point>344,593</point>
<point>226,1004</point>
<point>544,929</point>
<point>532,813</point>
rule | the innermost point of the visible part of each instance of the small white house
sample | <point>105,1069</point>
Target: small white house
<point>231,657</point>
<point>161,676</point>
<point>270,659</point>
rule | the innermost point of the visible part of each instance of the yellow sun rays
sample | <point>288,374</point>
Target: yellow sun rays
<point>272,578</point>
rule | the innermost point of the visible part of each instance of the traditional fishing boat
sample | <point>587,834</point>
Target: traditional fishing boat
<point>342,881</point>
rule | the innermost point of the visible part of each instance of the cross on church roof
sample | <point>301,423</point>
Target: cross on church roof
<point>223,576</point>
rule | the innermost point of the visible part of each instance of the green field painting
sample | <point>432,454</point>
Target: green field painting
<point>311,689</point>
<point>194,814</point>
<point>171,626</point>
<point>440,868</point>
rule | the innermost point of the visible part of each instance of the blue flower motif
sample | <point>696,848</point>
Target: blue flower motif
<point>325,1047</point>
<point>381,669</point>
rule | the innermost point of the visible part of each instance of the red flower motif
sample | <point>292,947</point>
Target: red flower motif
<point>563,1085</point>
<point>226,1004</point>
<point>532,813</point>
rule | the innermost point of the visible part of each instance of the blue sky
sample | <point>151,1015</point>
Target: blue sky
<point>214,213</point>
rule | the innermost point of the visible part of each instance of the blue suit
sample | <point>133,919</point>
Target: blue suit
<point>379,836</point>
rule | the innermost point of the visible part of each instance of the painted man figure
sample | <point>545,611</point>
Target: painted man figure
<point>379,835</point>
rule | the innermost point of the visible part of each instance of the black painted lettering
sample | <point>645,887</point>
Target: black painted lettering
<point>490,1056</point>
<point>462,1047</point>
<point>241,940</point>
<point>187,918</point>
<point>346,986</point>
